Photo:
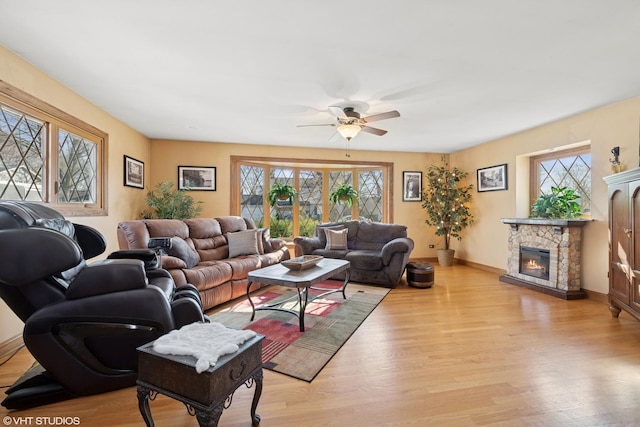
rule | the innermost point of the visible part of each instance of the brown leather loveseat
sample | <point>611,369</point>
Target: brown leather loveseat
<point>214,254</point>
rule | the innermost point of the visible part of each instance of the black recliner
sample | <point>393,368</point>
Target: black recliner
<point>83,322</point>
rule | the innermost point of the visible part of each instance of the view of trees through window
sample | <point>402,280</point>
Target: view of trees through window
<point>311,205</point>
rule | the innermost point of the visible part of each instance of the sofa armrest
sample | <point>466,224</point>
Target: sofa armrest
<point>306,245</point>
<point>400,244</point>
<point>277,244</point>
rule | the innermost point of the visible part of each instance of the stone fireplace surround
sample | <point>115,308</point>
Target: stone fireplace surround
<point>563,240</point>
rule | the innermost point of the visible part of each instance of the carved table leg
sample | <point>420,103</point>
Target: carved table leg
<point>143,405</point>
<point>209,419</point>
<point>255,418</point>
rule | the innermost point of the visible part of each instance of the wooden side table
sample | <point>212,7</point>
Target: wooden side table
<point>205,394</point>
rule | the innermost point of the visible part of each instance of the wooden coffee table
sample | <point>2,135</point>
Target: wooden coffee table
<point>302,281</point>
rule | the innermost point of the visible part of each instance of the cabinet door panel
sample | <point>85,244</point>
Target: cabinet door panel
<point>634,192</point>
<point>619,246</point>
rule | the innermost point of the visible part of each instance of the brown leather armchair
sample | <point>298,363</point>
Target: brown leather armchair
<point>83,322</point>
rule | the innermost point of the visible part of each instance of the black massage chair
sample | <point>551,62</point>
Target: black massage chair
<point>82,322</point>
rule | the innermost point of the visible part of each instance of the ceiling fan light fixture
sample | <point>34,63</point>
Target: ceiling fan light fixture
<point>349,131</point>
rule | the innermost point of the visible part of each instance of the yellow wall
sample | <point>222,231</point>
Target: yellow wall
<point>123,202</point>
<point>484,243</point>
<point>167,155</point>
<point>607,127</point>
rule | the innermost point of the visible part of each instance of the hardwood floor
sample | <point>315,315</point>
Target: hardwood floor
<point>471,351</point>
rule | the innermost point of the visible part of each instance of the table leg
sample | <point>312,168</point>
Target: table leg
<point>344,285</point>
<point>302,303</point>
<point>143,405</point>
<point>255,418</point>
<point>253,307</point>
<point>209,419</point>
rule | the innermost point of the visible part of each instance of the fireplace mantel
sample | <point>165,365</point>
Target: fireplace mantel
<point>562,238</point>
<point>546,221</point>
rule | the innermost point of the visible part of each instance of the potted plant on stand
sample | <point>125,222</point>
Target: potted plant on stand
<point>446,201</point>
<point>344,194</point>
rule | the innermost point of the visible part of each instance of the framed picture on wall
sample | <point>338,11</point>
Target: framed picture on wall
<point>199,178</point>
<point>411,186</point>
<point>493,178</point>
<point>133,172</point>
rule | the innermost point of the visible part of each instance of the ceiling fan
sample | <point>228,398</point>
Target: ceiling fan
<point>349,123</point>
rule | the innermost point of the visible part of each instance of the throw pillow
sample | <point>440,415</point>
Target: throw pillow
<point>336,239</point>
<point>181,249</point>
<point>322,236</point>
<point>242,243</point>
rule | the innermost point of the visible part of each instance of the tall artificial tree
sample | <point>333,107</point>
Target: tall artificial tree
<point>446,201</point>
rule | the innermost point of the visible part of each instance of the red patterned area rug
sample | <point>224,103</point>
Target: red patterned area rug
<point>329,322</point>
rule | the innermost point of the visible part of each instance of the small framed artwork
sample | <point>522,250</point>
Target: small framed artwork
<point>493,178</point>
<point>133,172</point>
<point>200,178</point>
<point>411,186</point>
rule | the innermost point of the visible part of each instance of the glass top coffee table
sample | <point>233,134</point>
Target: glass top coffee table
<point>301,280</point>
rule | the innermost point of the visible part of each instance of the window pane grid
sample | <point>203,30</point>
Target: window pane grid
<point>252,193</point>
<point>313,185</point>
<point>571,171</point>
<point>77,160</point>
<point>21,156</point>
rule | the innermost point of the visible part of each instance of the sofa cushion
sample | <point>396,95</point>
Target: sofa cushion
<point>203,228</point>
<point>365,260</point>
<point>208,274</point>
<point>336,239</point>
<point>331,253</point>
<point>321,234</point>
<point>242,243</point>
<point>373,236</point>
<point>181,249</point>
<point>167,228</point>
<point>230,224</point>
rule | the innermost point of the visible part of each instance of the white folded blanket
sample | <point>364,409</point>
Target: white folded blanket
<point>205,341</point>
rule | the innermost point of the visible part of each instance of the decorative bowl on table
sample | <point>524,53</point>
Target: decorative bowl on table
<point>302,262</point>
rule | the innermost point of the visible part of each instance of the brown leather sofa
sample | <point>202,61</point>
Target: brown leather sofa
<point>200,249</point>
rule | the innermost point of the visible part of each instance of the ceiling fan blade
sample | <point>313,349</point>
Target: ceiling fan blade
<point>381,116</point>
<point>321,124</point>
<point>374,131</point>
<point>335,137</point>
<point>337,111</point>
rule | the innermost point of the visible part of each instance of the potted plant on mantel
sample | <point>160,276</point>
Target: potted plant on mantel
<point>344,194</point>
<point>282,192</point>
<point>559,204</point>
<point>446,201</point>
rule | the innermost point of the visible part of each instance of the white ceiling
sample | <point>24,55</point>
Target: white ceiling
<point>460,72</point>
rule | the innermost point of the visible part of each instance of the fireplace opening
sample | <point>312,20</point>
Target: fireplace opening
<point>534,262</point>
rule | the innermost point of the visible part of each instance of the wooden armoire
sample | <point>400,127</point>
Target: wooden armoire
<point>624,242</point>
